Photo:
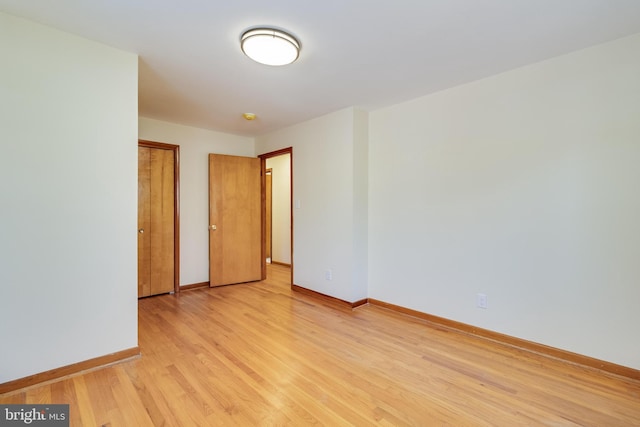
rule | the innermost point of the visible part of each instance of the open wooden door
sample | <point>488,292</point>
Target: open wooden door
<point>235,220</point>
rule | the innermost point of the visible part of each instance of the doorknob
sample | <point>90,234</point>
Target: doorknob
<point>141,231</point>
<point>213,227</point>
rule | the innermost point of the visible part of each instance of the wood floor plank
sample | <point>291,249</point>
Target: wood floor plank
<point>40,395</point>
<point>83,400</point>
<point>261,355</point>
<point>65,392</point>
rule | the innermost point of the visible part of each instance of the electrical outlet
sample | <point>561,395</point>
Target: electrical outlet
<point>481,301</point>
<point>328,275</point>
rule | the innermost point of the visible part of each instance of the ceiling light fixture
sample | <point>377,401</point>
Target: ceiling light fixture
<point>270,46</point>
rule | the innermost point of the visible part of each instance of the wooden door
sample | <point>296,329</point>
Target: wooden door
<point>235,220</point>
<point>156,199</point>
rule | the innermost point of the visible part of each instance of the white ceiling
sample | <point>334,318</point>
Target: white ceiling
<point>362,53</point>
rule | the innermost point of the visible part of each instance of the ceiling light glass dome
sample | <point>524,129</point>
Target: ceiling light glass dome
<point>270,46</point>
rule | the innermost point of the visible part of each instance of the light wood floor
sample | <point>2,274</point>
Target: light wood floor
<point>258,354</point>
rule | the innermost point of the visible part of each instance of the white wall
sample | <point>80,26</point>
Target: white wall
<point>281,208</point>
<point>361,201</point>
<point>195,146</point>
<point>523,186</point>
<point>68,174</point>
<point>323,182</point>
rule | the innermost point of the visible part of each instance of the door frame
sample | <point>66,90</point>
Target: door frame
<point>263,159</point>
<point>176,204</point>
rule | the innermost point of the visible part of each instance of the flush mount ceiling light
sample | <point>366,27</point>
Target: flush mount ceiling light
<point>270,46</point>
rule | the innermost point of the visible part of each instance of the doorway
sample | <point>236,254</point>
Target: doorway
<point>268,191</point>
<point>278,201</point>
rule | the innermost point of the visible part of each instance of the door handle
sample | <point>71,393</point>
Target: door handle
<point>213,228</point>
<point>141,231</point>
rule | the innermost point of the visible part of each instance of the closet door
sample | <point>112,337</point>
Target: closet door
<point>156,201</point>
